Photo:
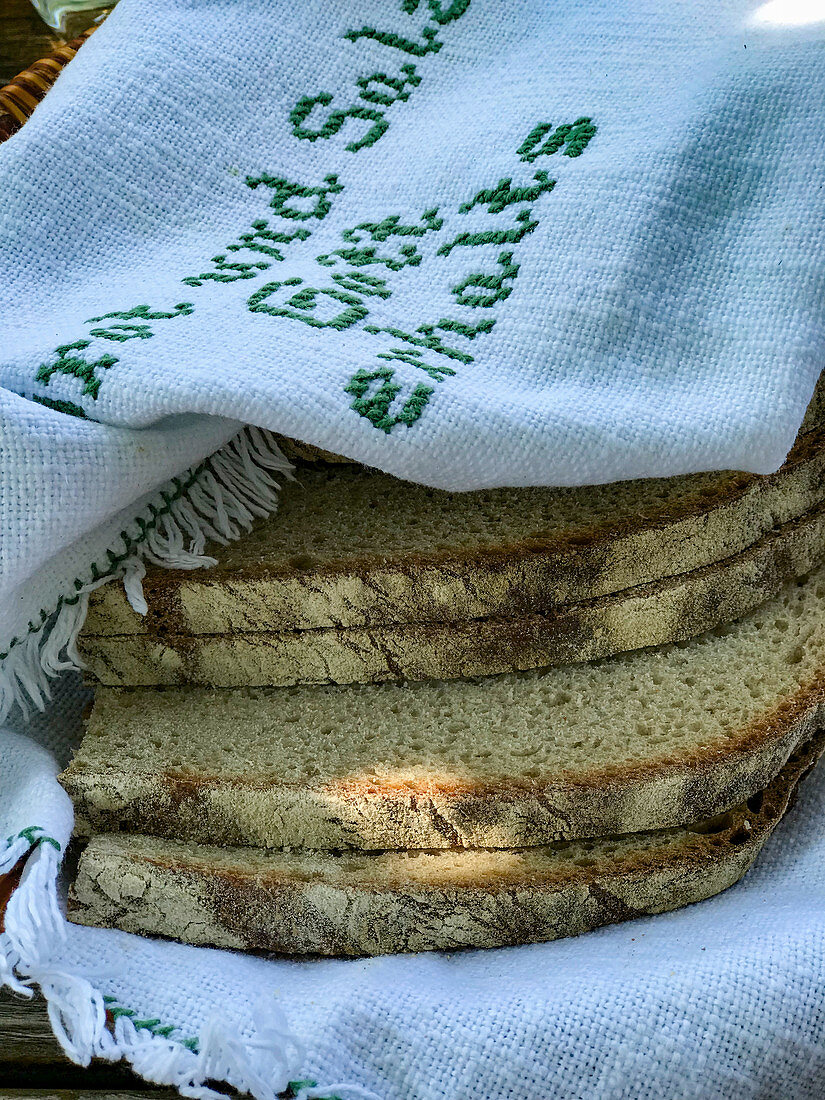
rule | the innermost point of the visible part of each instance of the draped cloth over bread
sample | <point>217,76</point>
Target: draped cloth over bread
<point>470,244</point>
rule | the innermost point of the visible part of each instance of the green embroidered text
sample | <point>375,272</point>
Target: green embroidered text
<point>85,370</point>
<point>375,406</point>
<point>379,90</point>
<point>574,135</point>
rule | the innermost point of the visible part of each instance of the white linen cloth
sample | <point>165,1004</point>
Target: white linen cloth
<point>470,243</point>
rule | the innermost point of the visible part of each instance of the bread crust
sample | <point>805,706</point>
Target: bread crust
<point>361,813</point>
<point>512,580</point>
<point>674,609</point>
<point>309,905</point>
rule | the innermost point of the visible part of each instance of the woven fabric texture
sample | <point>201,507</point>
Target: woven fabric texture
<point>471,244</point>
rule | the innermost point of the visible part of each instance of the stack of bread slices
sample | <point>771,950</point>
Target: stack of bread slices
<point>398,719</point>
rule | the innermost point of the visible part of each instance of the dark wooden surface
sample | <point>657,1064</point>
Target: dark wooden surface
<point>24,37</point>
<point>44,1093</point>
<point>32,1065</point>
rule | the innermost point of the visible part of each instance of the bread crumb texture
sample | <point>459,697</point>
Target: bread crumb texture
<point>348,903</point>
<point>354,547</point>
<point>645,740</point>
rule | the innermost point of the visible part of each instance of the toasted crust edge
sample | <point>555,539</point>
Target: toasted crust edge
<point>672,610</point>
<point>358,813</point>
<point>174,892</point>
<point>526,577</point>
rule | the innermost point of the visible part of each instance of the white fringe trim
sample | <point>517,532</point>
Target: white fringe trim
<point>9,859</point>
<point>237,485</point>
<point>35,931</point>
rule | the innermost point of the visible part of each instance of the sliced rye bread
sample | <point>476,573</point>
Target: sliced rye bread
<point>350,547</point>
<point>673,609</point>
<point>646,740</point>
<point>302,453</point>
<point>328,903</point>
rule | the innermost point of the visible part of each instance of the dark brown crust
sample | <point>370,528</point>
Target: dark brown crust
<point>731,486</point>
<point>274,912</point>
<point>307,454</point>
<point>729,827</point>
<point>671,610</point>
<point>666,792</point>
<point>521,578</point>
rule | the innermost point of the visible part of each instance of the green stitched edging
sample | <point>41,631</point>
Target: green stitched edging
<point>153,1026</point>
<point>28,834</point>
<point>164,1031</point>
<point>294,1087</point>
<point>181,487</point>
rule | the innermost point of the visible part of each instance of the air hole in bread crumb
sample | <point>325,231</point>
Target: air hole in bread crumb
<point>755,802</point>
<point>712,825</point>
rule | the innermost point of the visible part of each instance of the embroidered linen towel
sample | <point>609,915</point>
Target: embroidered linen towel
<point>470,243</point>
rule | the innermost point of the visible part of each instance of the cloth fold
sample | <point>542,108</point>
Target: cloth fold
<point>471,244</point>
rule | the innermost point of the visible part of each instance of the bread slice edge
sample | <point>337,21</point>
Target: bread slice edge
<point>670,610</point>
<point>305,903</point>
<point>514,580</point>
<point>362,813</point>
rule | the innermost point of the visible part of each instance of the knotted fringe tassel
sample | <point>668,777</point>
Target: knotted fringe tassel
<point>9,858</point>
<point>33,945</point>
<point>216,500</point>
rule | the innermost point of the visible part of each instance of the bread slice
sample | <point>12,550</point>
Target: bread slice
<point>303,453</point>
<point>328,903</point>
<point>664,611</point>
<point>351,547</point>
<point>647,740</point>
